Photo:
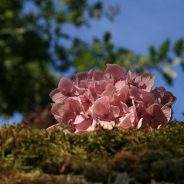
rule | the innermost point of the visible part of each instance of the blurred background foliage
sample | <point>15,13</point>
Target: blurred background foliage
<point>31,53</point>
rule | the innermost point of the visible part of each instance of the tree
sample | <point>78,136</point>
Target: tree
<point>30,52</point>
<point>25,40</point>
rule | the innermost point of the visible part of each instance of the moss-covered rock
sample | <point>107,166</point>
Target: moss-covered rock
<point>35,156</point>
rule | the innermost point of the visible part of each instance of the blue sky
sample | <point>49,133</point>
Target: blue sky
<point>141,24</point>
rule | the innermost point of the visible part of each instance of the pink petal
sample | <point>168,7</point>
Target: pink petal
<point>80,76</point>
<point>57,96</point>
<point>89,96</point>
<point>100,86</point>
<point>147,81</point>
<point>129,119</point>
<point>83,84</point>
<point>115,111</point>
<point>166,97</point>
<point>124,107</point>
<point>83,125</point>
<point>140,123</point>
<point>66,112</point>
<point>115,71</point>
<point>75,105</point>
<point>156,112</point>
<point>167,112</point>
<point>92,89</point>
<point>109,90</point>
<point>139,95</point>
<point>125,122</point>
<point>79,119</point>
<point>146,122</point>
<point>107,124</point>
<point>123,93</point>
<point>62,112</point>
<point>97,75</point>
<point>78,90</point>
<point>85,103</point>
<point>141,108</point>
<point>120,84</point>
<point>143,81</point>
<point>66,86</point>
<point>93,126</point>
<point>100,109</point>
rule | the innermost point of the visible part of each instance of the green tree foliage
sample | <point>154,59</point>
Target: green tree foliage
<point>24,76</point>
<point>31,52</point>
<point>25,42</point>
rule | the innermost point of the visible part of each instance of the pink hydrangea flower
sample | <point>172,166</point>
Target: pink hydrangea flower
<point>110,99</point>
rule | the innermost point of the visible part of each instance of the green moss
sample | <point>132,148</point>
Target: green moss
<point>99,156</point>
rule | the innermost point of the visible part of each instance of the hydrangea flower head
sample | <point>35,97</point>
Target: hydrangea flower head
<point>110,99</point>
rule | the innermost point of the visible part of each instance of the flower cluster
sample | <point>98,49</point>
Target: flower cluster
<point>110,99</point>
